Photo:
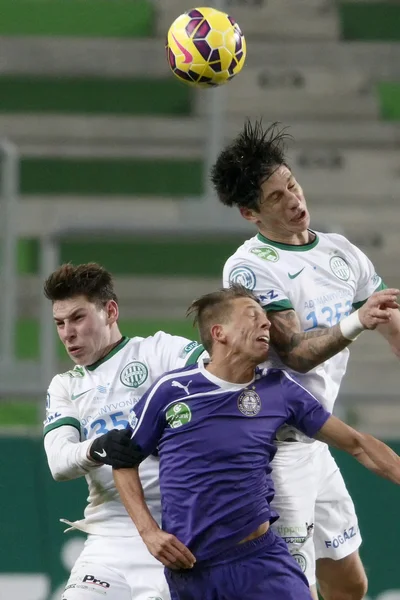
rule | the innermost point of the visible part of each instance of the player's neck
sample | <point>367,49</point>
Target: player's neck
<point>115,339</point>
<point>287,237</point>
<point>231,370</point>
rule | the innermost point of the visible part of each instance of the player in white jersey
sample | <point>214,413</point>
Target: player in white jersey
<point>320,293</point>
<point>111,374</point>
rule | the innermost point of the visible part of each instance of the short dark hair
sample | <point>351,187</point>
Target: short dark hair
<point>242,167</point>
<point>90,280</point>
<point>215,307</point>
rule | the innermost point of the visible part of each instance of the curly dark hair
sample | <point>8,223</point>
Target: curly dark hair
<point>90,280</point>
<point>243,166</point>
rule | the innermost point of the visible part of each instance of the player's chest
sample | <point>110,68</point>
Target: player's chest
<point>248,419</point>
<point>321,289</point>
<point>105,397</point>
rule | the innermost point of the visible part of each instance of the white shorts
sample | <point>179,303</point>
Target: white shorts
<point>317,515</point>
<point>116,568</point>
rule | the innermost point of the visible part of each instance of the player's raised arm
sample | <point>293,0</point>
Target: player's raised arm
<point>304,350</point>
<point>370,452</point>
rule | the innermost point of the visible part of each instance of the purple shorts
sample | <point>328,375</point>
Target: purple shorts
<point>261,569</point>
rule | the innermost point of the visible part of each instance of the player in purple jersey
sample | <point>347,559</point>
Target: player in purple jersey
<point>214,426</point>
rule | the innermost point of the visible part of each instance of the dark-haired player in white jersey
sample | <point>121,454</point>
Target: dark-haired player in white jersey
<point>214,427</point>
<point>111,373</point>
<point>320,292</point>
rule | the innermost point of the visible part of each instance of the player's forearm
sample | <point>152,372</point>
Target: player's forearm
<point>302,351</point>
<point>378,457</point>
<point>130,490</point>
<point>66,455</point>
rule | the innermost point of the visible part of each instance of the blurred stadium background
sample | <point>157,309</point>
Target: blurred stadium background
<point>105,157</point>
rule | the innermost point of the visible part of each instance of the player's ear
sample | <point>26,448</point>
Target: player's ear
<point>218,333</point>
<point>250,215</point>
<point>112,311</point>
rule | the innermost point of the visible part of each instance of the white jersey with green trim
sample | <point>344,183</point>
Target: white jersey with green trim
<point>99,398</point>
<point>322,281</point>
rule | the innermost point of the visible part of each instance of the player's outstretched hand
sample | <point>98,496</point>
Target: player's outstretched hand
<point>115,448</point>
<point>376,309</point>
<point>166,548</point>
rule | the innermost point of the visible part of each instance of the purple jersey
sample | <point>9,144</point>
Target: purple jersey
<point>215,441</point>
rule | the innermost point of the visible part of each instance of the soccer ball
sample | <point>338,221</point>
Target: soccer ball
<point>205,47</point>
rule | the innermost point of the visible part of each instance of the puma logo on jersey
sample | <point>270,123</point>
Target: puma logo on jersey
<point>180,385</point>
<point>295,274</point>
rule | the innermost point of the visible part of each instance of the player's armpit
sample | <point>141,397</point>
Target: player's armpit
<point>369,451</point>
<point>303,350</point>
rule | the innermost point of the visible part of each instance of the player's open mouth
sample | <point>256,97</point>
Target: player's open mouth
<point>264,339</point>
<point>74,350</point>
<point>300,217</point>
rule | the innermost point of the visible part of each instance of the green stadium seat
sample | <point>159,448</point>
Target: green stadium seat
<point>370,21</point>
<point>95,176</point>
<point>100,18</point>
<point>93,95</point>
<point>389,97</point>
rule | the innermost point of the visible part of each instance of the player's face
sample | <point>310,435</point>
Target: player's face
<point>247,331</point>
<point>283,210</point>
<point>83,328</point>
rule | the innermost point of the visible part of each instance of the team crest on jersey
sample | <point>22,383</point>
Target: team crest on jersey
<point>340,268</point>
<point>266,253</point>
<point>243,276</point>
<point>301,561</point>
<point>249,403</point>
<point>178,414</point>
<point>134,374</point>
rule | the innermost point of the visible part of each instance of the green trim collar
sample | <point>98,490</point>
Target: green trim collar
<point>290,247</point>
<point>112,352</point>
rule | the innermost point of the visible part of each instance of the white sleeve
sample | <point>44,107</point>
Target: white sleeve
<point>254,274</point>
<point>174,351</point>
<point>66,455</point>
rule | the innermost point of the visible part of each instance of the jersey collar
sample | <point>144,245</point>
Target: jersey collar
<point>112,352</point>
<point>225,385</point>
<point>290,247</point>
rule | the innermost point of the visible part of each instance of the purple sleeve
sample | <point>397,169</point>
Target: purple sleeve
<point>147,419</point>
<point>305,412</point>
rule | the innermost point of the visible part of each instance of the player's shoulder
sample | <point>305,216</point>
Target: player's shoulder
<point>278,375</point>
<point>162,338</point>
<point>254,262</point>
<point>179,374</point>
<point>251,249</point>
<point>62,382</point>
<point>336,239</point>
<point>174,384</point>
